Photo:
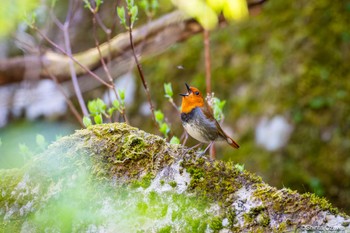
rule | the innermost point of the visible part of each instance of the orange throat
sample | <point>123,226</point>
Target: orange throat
<point>188,104</point>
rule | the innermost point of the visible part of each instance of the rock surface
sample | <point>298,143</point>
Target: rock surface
<point>116,178</point>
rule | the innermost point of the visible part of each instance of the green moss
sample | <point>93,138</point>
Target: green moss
<point>320,203</point>
<point>216,224</point>
<point>214,179</point>
<point>173,183</point>
<point>231,216</point>
<point>282,227</point>
<point>257,216</point>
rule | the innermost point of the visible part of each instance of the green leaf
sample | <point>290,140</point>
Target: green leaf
<point>87,4</point>
<point>92,107</point>
<point>110,111</point>
<point>24,150</point>
<point>87,121</point>
<point>159,116</point>
<point>0,142</point>
<point>116,104</point>
<point>98,119</point>
<point>164,129</point>
<point>218,107</point>
<point>121,15</point>
<point>134,11</point>
<point>154,5</point>
<point>130,3</point>
<point>239,167</point>
<point>144,5</point>
<point>174,140</point>
<point>40,141</point>
<point>121,94</point>
<point>168,90</point>
<point>96,106</point>
<point>98,3</point>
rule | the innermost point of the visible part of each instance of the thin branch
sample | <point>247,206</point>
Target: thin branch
<point>94,19</point>
<point>76,86</point>
<point>139,68</point>
<point>71,57</point>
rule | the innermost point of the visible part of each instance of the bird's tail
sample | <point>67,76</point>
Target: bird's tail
<point>232,142</point>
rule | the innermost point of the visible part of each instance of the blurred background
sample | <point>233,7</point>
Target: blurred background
<point>283,72</point>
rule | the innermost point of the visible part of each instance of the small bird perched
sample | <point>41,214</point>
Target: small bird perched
<point>198,120</point>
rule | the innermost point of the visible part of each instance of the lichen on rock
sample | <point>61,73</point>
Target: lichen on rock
<point>116,178</point>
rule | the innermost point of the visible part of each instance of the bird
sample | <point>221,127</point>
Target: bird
<point>198,120</point>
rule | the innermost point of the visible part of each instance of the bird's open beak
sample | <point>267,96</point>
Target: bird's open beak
<point>188,90</point>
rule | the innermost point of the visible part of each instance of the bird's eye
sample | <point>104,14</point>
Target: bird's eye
<point>197,93</point>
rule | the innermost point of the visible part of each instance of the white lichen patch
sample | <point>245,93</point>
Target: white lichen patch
<point>170,175</point>
<point>244,202</point>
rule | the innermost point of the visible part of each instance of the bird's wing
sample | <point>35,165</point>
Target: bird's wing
<point>208,112</point>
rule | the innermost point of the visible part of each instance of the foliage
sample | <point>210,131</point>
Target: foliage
<point>280,62</point>
<point>12,12</point>
<point>132,12</point>
<point>206,12</point>
<point>98,108</point>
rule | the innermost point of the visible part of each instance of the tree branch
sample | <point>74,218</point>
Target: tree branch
<point>155,37</point>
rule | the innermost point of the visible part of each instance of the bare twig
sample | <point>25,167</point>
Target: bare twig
<point>105,66</point>
<point>139,68</point>
<point>77,90</point>
<point>71,57</point>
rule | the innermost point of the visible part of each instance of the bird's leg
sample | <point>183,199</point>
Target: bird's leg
<point>184,137</point>
<point>211,143</point>
<point>212,152</point>
<point>191,148</point>
<point>195,146</point>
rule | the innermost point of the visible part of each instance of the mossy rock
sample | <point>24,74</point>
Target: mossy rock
<point>116,178</point>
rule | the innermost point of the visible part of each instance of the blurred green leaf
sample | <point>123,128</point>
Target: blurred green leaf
<point>41,141</point>
<point>239,167</point>
<point>159,116</point>
<point>218,107</point>
<point>110,111</point>
<point>25,151</point>
<point>121,15</point>
<point>13,12</point>
<point>154,5</point>
<point>98,3</point>
<point>87,121</point>
<point>121,94</point>
<point>168,90</point>
<point>174,140</point>
<point>87,4</point>
<point>116,104</point>
<point>164,129</point>
<point>134,12</point>
<point>96,106</point>
<point>98,119</point>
